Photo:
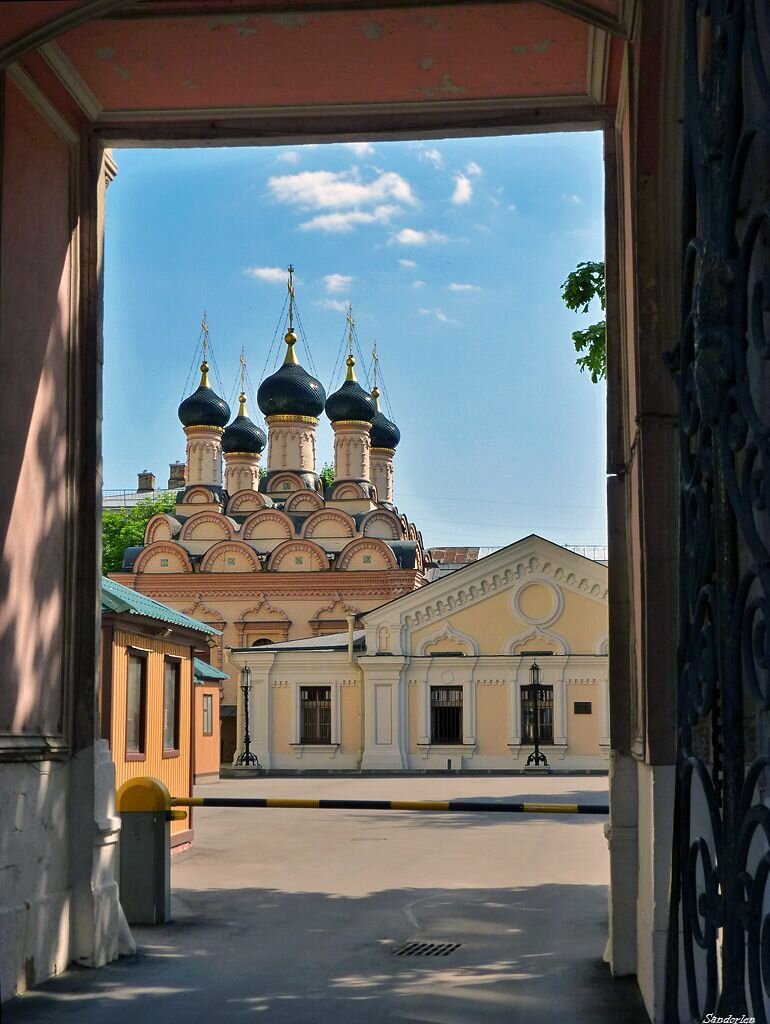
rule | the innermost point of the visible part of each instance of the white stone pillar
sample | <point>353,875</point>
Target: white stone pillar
<point>386,712</point>
<point>351,450</point>
<point>204,455</point>
<point>291,443</point>
<point>381,460</point>
<point>241,472</point>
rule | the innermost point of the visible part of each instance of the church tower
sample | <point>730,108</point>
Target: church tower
<point>291,402</point>
<point>242,444</point>
<point>351,411</point>
<point>384,440</point>
<point>204,416</point>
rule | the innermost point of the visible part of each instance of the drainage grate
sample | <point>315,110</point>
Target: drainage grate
<point>427,949</point>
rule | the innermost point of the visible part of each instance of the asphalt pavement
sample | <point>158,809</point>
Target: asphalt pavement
<point>300,916</point>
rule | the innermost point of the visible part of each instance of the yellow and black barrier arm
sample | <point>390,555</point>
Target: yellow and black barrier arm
<point>452,806</point>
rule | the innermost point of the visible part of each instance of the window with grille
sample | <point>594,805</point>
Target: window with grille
<point>446,714</point>
<point>316,714</point>
<point>171,675</point>
<point>545,715</point>
<point>208,714</point>
<point>136,707</point>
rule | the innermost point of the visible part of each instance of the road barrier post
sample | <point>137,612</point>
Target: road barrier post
<point>144,805</point>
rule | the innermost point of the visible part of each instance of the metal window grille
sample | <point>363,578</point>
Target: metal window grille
<point>171,703</point>
<point>316,714</point>
<point>446,714</point>
<point>208,714</point>
<point>545,714</point>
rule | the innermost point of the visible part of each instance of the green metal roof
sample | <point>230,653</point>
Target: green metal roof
<point>202,671</point>
<point>117,598</point>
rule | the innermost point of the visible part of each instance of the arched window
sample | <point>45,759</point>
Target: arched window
<point>262,642</point>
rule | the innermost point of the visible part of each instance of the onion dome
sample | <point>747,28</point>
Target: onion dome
<point>385,433</point>
<point>291,391</point>
<point>204,408</point>
<point>351,402</point>
<point>242,435</point>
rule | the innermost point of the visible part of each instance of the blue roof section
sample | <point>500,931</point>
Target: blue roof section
<point>117,598</point>
<point>203,672</point>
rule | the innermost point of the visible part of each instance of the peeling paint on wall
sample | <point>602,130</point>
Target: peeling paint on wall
<point>425,63</point>
<point>122,72</point>
<point>542,46</point>
<point>105,52</point>
<point>372,30</point>
<point>520,50</point>
<point>446,87</point>
<point>289,20</point>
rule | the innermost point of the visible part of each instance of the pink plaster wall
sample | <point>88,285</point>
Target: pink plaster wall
<point>35,235</point>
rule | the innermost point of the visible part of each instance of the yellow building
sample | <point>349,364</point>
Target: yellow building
<point>434,679</point>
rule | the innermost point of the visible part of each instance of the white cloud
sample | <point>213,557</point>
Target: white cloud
<point>407,263</point>
<point>291,156</point>
<point>361,148</point>
<point>331,190</point>
<point>432,156</point>
<point>409,236</point>
<point>463,190</point>
<point>439,314</point>
<point>512,207</point>
<point>336,304</point>
<point>273,275</point>
<point>341,223</point>
<point>455,287</point>
<point>472,168</point>
<point>337,282</point>
<point>418,284</point>
<point>572,198</point>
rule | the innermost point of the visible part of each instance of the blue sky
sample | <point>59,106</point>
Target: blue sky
<point>452,253</point>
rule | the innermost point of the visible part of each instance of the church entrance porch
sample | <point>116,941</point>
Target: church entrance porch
<point>306,930</point>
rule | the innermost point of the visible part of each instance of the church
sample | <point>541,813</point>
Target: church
<point>267,557</point>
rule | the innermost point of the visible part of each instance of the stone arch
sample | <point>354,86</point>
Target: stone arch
<point>602,645</point>
<point>339,524</point>
<point>161,527</point>
<point>539,639</point>
<point>208,526</point>
<point>353,556</point>
<point>446,640</point>
<point>348,489</point>
<point>298,556</point>
<point>381,523</point>
<point>279,482</point>
<point>163,556</point>
<point>199,495</point>
<point>230,556</point>
<point>301,502</point>
<point>268,524</point>
<point>247,501</point>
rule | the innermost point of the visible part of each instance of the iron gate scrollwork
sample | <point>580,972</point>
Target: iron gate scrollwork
<point>718,957</point>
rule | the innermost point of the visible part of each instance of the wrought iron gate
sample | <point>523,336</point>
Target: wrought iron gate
<point>720,961</point>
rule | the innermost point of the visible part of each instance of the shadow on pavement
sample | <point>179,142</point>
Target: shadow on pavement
<point>527,954</point>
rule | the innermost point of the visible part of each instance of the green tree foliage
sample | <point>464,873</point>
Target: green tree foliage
<point>583,285</point>
<point>124,527</point>
<point>327,475</point>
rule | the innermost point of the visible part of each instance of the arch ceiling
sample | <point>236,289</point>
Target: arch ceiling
<point>153,62</point>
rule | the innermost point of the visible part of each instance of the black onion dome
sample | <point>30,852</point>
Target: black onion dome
<point>242,435</point>
<point>204,408</point>
<point>351,402</point>
<point>385,433</point>
<point>291,391</point>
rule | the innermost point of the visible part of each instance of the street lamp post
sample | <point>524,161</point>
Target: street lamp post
<point>246,759</point>
<point>534,693</point>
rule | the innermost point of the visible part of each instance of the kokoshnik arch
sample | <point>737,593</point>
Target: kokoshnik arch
<point>79,77</point>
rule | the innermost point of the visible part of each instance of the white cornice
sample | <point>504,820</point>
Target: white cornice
<point>532,557</point>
